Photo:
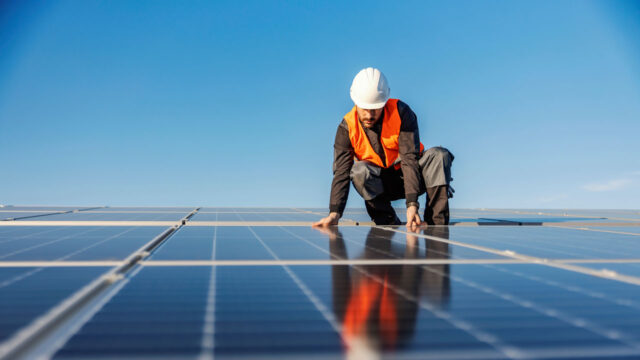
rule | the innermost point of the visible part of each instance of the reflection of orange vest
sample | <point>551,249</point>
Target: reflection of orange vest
<point>388,137</point>
<point>361,309</point>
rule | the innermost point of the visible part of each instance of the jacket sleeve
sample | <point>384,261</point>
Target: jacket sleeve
<point>409,149</point>
<point>342,163</point>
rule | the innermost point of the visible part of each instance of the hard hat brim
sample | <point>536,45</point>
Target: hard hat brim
<point>369,106</point>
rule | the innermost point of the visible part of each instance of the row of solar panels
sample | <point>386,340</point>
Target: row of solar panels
<point>293,214</point>
<point>443,309</point>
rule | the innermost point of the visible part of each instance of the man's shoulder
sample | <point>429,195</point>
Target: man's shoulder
<point>402,106</point>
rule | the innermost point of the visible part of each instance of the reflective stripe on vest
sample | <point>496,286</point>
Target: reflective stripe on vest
<point>388,137</point>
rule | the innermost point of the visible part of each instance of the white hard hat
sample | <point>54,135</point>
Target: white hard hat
<point>370,89</point>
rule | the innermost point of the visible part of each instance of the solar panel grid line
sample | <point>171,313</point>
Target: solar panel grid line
<point>84,244</point>
<point>323,309</point>
<point>597,230</point>
<point>570,247</point>
<point>33,216</point>
<point>572,288</point>
<point>613,335</point>
<point>94,244</point>
<point>46,348</point>
<point>502,348</point>
<point>506,240</point>
<point>39,329</point>
<point>566,266</point>
<point>208,329</point>
<point>50,213</point>
<point>46,243</point>
<point>19,277</point>
<point>15,238</point>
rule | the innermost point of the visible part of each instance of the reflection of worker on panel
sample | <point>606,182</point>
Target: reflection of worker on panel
<point>377,304</point>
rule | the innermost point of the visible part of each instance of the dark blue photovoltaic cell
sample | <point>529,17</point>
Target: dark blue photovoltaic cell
<point>529,308</point>
<point>160,312</point>
<point>261,311</point>
<point>550,242</point>
<point>11,215</point>
<point>188,243</point>
<point>113,216</point>
<point>434,311</point>
<point>240,209</point>
<point>305,243</point>
<point>147,209</point>
<point>74,242</point>
<point>256,216</point>
<point>43,208</point>
<point>26,293</point>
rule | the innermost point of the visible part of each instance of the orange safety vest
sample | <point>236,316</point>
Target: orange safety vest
<point>389,136</point>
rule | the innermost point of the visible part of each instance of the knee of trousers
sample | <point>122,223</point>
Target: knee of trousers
<point>435,166</point>
<point>365,177</point>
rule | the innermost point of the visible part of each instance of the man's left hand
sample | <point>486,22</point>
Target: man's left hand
<point>413,219</point>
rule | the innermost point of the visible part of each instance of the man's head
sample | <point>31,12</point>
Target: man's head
<point>370,92</point>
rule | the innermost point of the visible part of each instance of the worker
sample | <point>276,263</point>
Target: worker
<point>377,148</point>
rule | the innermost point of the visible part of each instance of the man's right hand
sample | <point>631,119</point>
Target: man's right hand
<point>332,219</point>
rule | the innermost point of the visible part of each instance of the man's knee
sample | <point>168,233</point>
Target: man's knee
<point>435,166</point>
<point>366,179</point>
<point>437,153</point>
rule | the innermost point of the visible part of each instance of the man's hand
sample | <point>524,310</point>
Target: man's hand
<point>332,219</point>
<point>413,219</point>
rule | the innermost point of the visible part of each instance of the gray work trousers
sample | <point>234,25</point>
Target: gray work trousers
<point>378,187</point>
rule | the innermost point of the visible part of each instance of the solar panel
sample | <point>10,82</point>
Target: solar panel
<point>28,292</point>
<point>74,242</point>
<point>261,283</point>
<point>551,242</point>
<point>112,216</point>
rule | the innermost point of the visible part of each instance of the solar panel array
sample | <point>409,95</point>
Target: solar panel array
<point>261,283</point>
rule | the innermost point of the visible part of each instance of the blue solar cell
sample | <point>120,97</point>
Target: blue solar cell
<point>433,311</point>
<point>255,216</point>
<point>160,312</point>
<point>26,293</point>
<point>113,216</point>
<point>74,242</point>
<point>305,243</point>
<point>550,242</point>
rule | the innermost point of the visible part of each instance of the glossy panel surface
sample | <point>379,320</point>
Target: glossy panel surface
<point>60,243</point>
<point>551,242</point>
<point>26,293</point>
<point>305,243</point>
<point>435,311</point>
<point>114,216</point>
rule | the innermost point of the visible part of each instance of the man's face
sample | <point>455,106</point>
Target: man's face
<point>369,117</point>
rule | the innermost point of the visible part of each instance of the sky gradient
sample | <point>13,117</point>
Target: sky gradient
<point>227,103</point>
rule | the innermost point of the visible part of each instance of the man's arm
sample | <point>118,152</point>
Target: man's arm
<point>409,149</point>
<point>342,163</point>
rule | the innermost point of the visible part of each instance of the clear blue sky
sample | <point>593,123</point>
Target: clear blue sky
<point>236,103</point>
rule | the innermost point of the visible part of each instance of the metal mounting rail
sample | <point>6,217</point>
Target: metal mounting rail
<point>184,220</point>
<point>46,326</point>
